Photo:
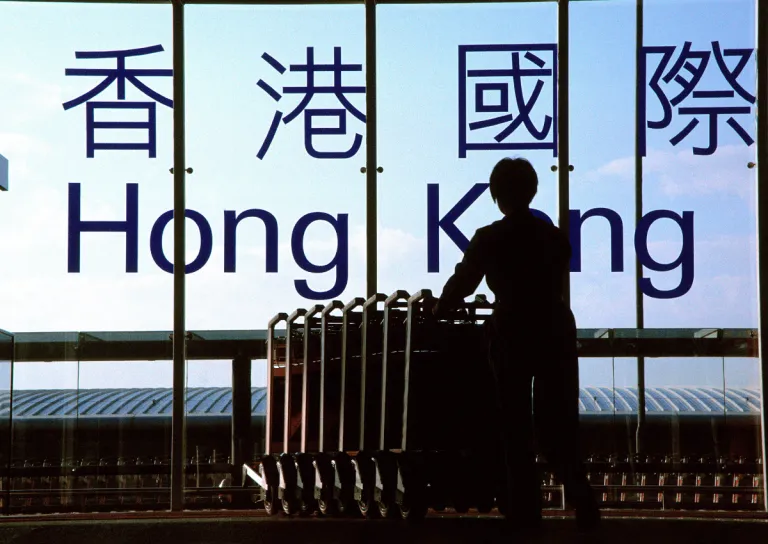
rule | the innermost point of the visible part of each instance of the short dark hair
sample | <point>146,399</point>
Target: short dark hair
<point>513,182</point>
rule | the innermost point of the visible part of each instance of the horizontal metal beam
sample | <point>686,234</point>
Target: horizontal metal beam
<point>226,345</point>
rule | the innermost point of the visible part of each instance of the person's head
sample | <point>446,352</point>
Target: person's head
<point>513,184</point>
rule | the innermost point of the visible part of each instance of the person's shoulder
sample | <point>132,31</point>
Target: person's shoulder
<point>545,224</point>
<point>551,230</point>
<point>490,229</point>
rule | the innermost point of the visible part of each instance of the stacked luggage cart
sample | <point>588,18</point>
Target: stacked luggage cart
<point>378,407</point>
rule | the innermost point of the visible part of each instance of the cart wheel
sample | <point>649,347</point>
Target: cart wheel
<point>270,505</point>
<point>330,508</point>
<point>290,506</point>
<point>307,508</point>
<point>368,509</point>
<point>387,510</point>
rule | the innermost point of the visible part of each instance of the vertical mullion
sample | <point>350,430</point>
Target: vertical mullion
<point>370,149</point>
<point>762,222</point>
<point>563,140</point>
<point>179,345</point>
<point>639,308</point>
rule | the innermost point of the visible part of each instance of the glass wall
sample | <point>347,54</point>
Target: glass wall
<point>276,125</point>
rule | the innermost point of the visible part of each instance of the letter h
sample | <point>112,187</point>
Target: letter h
<point>130,227</point>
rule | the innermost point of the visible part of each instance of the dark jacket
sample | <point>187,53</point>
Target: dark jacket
<point>524,260</point>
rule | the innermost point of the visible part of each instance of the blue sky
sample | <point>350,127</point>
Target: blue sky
<point>228,117</point>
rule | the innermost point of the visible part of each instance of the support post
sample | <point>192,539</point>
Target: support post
<point>563,124</point>
<point>639,309</point>
<point>762,225</point>
<point>179,340</point>
<point>370,149</point>
<point>242,441</point>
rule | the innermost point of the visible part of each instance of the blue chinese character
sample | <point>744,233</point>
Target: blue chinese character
<point>119,74</point>
<point>687,72</point>
<point>529,77</point>
<point>308,92</point>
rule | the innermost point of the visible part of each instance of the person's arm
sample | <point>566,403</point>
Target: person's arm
<point>466,277</point>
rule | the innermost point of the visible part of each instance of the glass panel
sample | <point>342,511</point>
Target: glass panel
<point>742,429</point>
<point>6,379</point>
<point>259,406</point>
<point>608,404</point>
<point>123,418</point>
<point>45,453</point>
<point>88,164</point>
<point>87,134</point>
<point>696,164</point>
<point>284,88</point>
<point>208,428</point>
<point>440,135</point>
<point>602,108</point>
<point>286,218</point>
<point>687,423</point>
<point>608,420</point>
<point>697,238</point>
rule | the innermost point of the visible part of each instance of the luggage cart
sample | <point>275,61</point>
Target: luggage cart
<point>382,404</point>
<point>351,402</point>
<point>447,425</point>
<point>290,486</point>
<point>268,478</point>
<point>310,346</point>
<point>368,415</point>
<point>334,475</point>
<point>356,398</point>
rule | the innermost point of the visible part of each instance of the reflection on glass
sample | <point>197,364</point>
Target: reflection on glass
<point>124,426</point>
<point>607,404</point>
<point>259,405</point>
<point>45,450</point>
<point>208,426</point>
<point>743,427</point>
<point>709,437</point>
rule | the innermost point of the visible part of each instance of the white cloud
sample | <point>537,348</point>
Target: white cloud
<point>33,98</point>
<point>681,173</point>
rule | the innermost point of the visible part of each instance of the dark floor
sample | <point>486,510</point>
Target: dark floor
<point>199,528</point>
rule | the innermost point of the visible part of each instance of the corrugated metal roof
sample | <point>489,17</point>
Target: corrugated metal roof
<point>218,401</point>
<point>670,400</point>
<point>123,402</point>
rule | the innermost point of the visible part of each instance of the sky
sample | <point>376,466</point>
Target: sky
<point>227,119</point>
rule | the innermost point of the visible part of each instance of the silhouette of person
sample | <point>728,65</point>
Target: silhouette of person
<point>531,345</point>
